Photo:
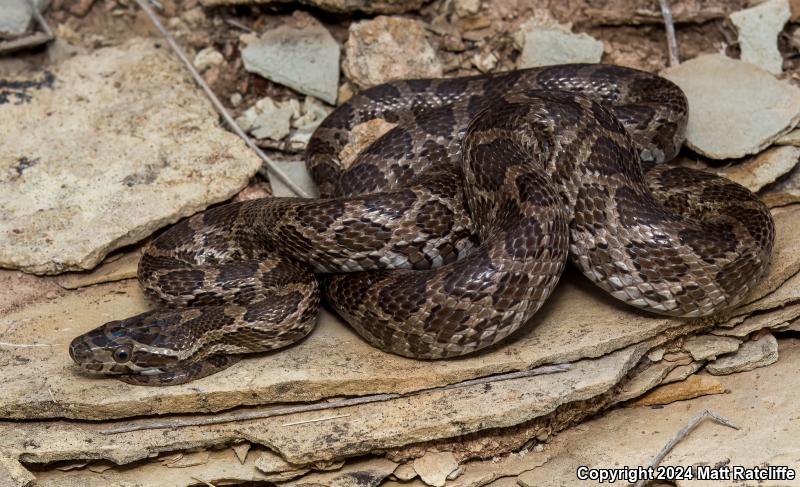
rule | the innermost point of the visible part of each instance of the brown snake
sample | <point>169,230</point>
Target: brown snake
<point>463,216</point>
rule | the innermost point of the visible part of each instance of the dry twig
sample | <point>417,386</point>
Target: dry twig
<point>39,19</point>
<point>238,25</point>
<point>683,433</point>
<point>672,40</point>
<point>273,168</point>
<point>319,406</point>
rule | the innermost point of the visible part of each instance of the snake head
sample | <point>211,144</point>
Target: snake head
<point>136,345</point>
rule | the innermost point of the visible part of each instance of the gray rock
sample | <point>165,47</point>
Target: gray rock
<point>702,347</point>
<point>208,58</point>
<point>434,467</point>
<point>303,57</point>
<point>759,27</point>
<point>298,173</point>
<point>681,372</point>
<point>751,355</point>
<point>268,119</point>
<point>16,16</point>
<point>547,43</point>
<point>313,113</point>
<point>763,169</point>
<point>735,108</point>
<point>387,48</point>
<point>132,145</point>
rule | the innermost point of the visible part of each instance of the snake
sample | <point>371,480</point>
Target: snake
<point>446,234</point>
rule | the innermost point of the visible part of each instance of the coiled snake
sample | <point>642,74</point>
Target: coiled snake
<point>450,231</point>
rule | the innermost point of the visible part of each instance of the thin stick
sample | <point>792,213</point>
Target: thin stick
<point>317,420</point>
<point>320,406</point>
<point>38,16</point>
<point>672,40</point>
<point>274,169</point>
<point>683,433</point>
<point>238,25</point>
<point>24,345</point>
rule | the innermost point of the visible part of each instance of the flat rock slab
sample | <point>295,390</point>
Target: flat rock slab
<point>751,355</point>
<point>763,403</point>
<point>303,56</point>
<point>119,143</point>
<point>759,27</point>
<point>39,379</point>
<point>763,169</point>
<point>735,108</point>
<point>545,45</point>
<point>702,347</point>
<point>330,434</point>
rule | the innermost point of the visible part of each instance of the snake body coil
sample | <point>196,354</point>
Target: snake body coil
<point>451,230</point>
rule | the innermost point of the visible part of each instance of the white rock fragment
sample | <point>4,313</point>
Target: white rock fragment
<point>132,146</point>
<point>405,472</point>
<point>763,169</point>
<point>702,347</point>
<point>751,355</point>
<point>465,8</point>
<point>759,27</point>
<point>208,58</point>
<point>546,43</point>
<point>313,113</point>
<point>656,354</point>
<point>387,48</point>
<point>303,57</point>
<point>485,62</point>
<point>268,119</point>
<point>433,468</point>
<point>735,108</point>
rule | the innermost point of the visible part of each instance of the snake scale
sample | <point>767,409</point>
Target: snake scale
<point>451,230</point>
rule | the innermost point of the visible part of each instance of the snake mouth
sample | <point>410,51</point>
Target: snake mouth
<point>108,350</point>
<point>93,359</point>
<point>87,359</point>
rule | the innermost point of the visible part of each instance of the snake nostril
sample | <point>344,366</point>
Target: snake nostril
<point>78,350</point>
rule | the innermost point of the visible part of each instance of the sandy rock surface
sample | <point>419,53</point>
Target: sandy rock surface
<point>131,146</point>
<point>388,48</point>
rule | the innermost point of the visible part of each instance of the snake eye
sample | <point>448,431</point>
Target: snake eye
<point>122,354</point>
